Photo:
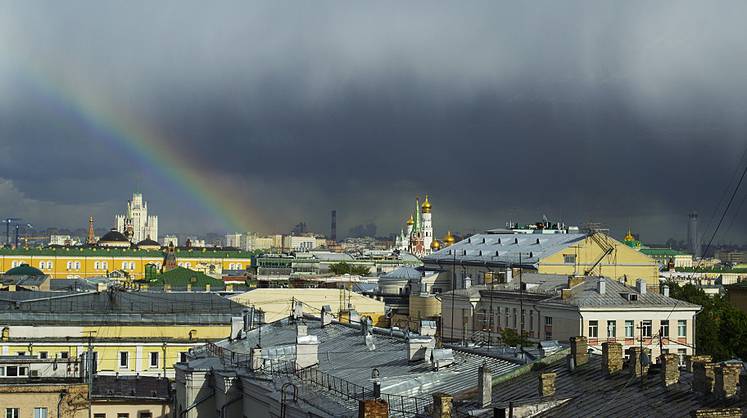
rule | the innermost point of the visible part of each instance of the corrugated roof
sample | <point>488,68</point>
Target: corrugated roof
<point>586,295</point>
<point>505,249</point>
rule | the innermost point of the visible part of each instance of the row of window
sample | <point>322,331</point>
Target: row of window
<point>645,327</point>
<point>125,415</point>
<point>235,266</point>
<point>153,357</point>
<point>39,412</point>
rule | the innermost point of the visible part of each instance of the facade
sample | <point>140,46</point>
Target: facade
<point>598,308</point>
<point>668,258</point>
<point>130,332</point>
<point>130,397</point>
<point>170,240</point>
<point>299,243</point>
<point>136,224</point>
<point>88,262</point>
<point>505,252</point>
<point>731,256</point>
<point>417,238</point>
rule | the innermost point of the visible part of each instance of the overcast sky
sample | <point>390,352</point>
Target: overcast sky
<point>625,113</point>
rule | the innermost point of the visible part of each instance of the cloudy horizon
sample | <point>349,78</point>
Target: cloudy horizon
<point>261,115</point>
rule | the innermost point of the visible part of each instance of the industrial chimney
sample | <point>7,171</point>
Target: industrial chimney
<point>692,234</point>
<point>333,229</point>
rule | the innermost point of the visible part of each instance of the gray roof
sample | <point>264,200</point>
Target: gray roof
<point>586,295</point>
<point>344,354</point>
<point>593,395</point>
<point>504,249</point>
<point>402,273</point>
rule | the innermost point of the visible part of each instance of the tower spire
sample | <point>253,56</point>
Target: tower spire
<point>91,238</point>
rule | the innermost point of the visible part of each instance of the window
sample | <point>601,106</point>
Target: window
<point>569,258</point>
<point>682,328</point>
<point>124,265</point>
<point>154,359</point>
<point>43,354</point>
<point>681,352</point>
<point>12,412</point>
<point>64,354</point>
<point>145,415</point>
<point>515,323</point>
<point>506,317</point>
<point>123,415</point>
<point>548,320</point>
<point>40,412</point>
<point>665,328</point>
<point>21,353</point>
<point>69,265</point>
<point>124,359</point>
<point>99,415</point>
<point>646,328</point>
<point>611,329</point>
<point>132,265</point>
<point>593,329</point>
<point>531,320</point>
<point>15,371</point>
<point>97,265</point>
<point>183,357</point>
<point>629,332</point>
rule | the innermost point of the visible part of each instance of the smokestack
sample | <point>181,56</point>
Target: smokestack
<point>333,229</point>
<point>692,234</point>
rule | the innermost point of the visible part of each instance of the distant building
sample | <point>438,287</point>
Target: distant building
<point>136,224</point>
<point>692,234</point>
<point>667,257</point>
<point>731,256</point>
<point>417,238</point>
<point>299,243</point>
<point>170,240</point>
<point>63,240</point>
<point>238,240</point>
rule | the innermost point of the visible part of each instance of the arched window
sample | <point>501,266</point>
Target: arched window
<point>132,265</point>
<point>77,265</point>
<point>69,265</point>
<point>97,265</point>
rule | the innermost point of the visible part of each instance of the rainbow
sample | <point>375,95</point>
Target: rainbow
<point>144,144</point>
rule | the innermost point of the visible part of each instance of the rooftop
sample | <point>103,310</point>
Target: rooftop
<point>88,251</point>
<point>592,395</point>
<point>130,388</point>
<point>505,249</point>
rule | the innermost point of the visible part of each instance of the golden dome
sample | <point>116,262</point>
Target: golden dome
<point>435,245</point>
<point>449,239</point>
<point>426,205</point>
<point>629,236</point>
<point>410,221</point>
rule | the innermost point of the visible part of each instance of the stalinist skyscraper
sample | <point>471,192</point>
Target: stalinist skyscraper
<point>136,224</point>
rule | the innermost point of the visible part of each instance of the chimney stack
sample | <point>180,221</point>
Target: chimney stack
<point>373,408</point>
<point>690,360</point>
<point>727,379</point>
<point>256,358</point>
<point>640,286</point>
<point>612,358</point>
<point>665,290</point>
<point>637,365</point>
<point>442,405</point>
<point>670,369</point>
<point>547,384</point>
<point>602,286</point>
<point>485,385</point>
<point>333,228</point>
<point>704,377</point>
<point>301,330</point>
<point>297,309</point>
<point>307,351</point>
<point>420,348</point>
<point>326,315</point>
<point>579,350</point>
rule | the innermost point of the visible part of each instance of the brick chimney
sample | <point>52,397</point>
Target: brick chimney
<point>373,408</point>
<point>442,405</point>
<point>636,368</point>
<point>717,413</point>
<point>547,384</point>
<point>485,386</point>
<point>579,350</point>
<point>704,377</point>
<point>612,358</point>
<point>726,380</point>
<point>689,360</point>
<point>670,369</point>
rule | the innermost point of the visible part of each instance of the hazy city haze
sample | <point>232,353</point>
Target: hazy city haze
<point>258,115</point>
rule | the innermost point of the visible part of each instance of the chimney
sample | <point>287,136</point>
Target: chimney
<point>565,294</point>
<point>602,286</point>
<point>547,384</point>
<point>574,281</point>
<point>612,358</point>
<point>704,377</point>
<point>326,315</point>
<point>256,358</point>
<point>237,325</point>
<point>579,350</point>
<point>637,364</point>
<point>229,288</point>
<point>307,350</point>
<point>665,290</point>
<point>670,369</point>
<point>373,408</point>
<point>248,318</point>
<point>442,405</point>
<point>419,348</point>
<point>690,360</point>
<point>297,309</point>
<point>485,385</point>
<point>640,286</point>
<point>727,379</point>
<point>302,330</point>
<point>207,287</point>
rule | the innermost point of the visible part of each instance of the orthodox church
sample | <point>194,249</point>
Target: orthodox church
<point>417,238</point>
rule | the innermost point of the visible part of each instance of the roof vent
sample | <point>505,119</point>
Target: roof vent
<point>531,254</point>
<point>483,240</point>
<point>469,240</point>
<point>499,240</point>
<point>640,286</point>
<point>516,240</point>
<point>538,241</point>
<point>479,253</point>
<point>442,357</point>
<point>602,286</point>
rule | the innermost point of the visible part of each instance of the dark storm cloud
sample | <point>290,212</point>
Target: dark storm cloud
<point>627,114</point>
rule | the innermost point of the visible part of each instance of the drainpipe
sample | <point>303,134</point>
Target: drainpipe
<point>59,403</point>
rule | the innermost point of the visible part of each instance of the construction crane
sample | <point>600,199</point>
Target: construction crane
<point>7,222</point>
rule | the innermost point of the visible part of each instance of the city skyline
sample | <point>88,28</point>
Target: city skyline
<point>623,116</point>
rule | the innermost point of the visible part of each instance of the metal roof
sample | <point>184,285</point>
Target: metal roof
<point>504,249</point>
<point>402,273</point>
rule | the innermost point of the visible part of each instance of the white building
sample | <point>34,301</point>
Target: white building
<point>63,240</point>
<point>136,224</point>
<point>299,243</point>
<point>418,237</point>
<point>239,240</point>
<point>552,307</point>
<point>170,240</point>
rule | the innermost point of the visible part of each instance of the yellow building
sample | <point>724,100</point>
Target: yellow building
<point>85,262</point>
<point>129,332</point>
<point>277,303</point>
<point>42,399</point>
<point>504,253</point>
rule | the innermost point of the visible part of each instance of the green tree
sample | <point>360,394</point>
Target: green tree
<point>345,268</point>
<point>512,338</point>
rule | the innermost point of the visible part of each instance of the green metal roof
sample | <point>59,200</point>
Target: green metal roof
<point>661,252</point>
<point>24,270</point>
